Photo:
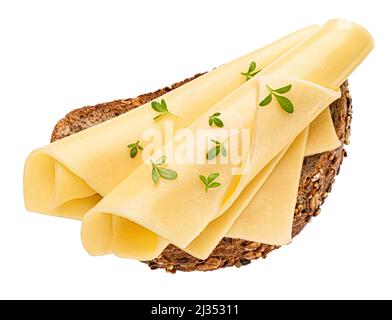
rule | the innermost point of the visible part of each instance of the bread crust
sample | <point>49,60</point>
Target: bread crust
<point>317,176</point>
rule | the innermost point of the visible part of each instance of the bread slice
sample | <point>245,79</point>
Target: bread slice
<point>317,177</point>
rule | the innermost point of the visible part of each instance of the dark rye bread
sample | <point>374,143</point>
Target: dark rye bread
<point>317,177</point>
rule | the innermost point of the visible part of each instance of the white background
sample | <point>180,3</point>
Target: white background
<point>58,55</point>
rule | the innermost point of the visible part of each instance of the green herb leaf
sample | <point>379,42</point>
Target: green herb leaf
<point>252,67</point>
<point>218,149</point>
<point>159,172</point>
<point>133,152</point>
<point>218,122</point>
<point>251,71</point>
<point>167,174</point>
<point>203,179</point>
<point>134,147</point>
<point>223,151</point>
<point>161,108</point>
<point>155,175</point>
<point>213,152</point>
<point>157,106</point>
<point>283,89</point>
<point>266,101</point>
<point>285,103</point>
<point>164,105</point>
<point>212,177</point>
<point>209,182</point>
<point>214,185</point>
<point>215,120</point>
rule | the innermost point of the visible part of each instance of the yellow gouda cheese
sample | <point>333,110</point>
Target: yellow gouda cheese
<point>76,165</point>
<point>269,216</point>
<point>322,135</point>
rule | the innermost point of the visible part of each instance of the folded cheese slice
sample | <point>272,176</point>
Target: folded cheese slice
<point>77,171</point>
<point>338,33</point>
<point>279,233</point>
<point>235,222</point>
<point>322,135</point>
<point>269,216</point>
<point>310,100</point>
<point>334,51</point>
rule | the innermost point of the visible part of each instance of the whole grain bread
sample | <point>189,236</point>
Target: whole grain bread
<point>318,175</point>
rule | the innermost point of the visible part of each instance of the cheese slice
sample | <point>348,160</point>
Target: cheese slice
<point>328,57</point>
<point>241,219</point>
<point>269,216</point>
<point>322,135</point>
<point>67,187</point>
<point>202,246</point>
<point>96,160</point>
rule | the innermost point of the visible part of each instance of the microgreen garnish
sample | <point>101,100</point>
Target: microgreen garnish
<point>214,119</point>
<point>161,108</point>
<point>251,71</point>
<point>159,172</point>
<point>219,148</point>
<point>209,181</point>
<point>134,147</point>
<point>284,102</point>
